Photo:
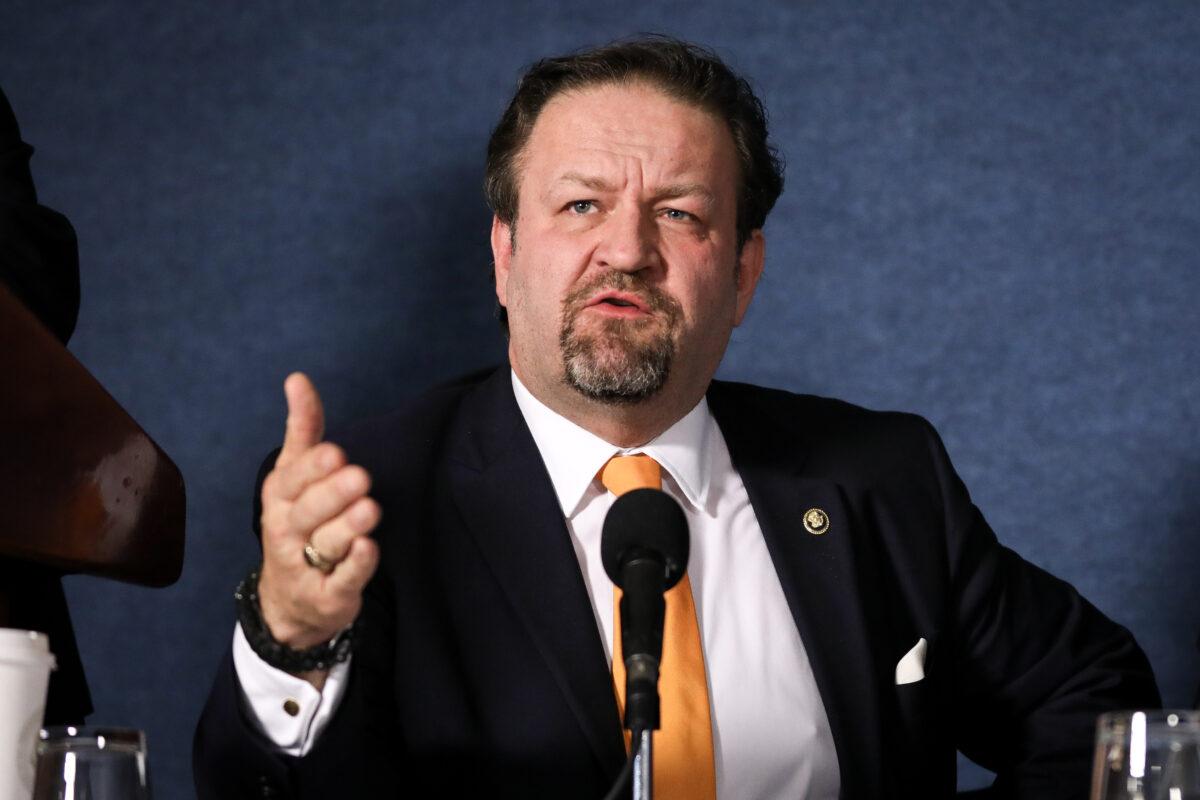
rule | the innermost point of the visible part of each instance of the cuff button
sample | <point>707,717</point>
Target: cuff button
<point>291,707</point>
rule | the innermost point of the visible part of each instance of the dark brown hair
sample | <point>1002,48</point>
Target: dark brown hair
<point>687,72</point>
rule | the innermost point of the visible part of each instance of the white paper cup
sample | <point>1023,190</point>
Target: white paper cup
<point>25,664</point>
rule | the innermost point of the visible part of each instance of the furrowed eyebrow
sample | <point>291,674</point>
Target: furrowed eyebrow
<point>593,183</point>
<point>672,192</point>
<point>685,190</point>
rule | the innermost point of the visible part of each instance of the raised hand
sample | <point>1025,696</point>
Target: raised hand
<point>313,497</point>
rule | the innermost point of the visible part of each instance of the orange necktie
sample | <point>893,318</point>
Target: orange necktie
<point>683,750</point>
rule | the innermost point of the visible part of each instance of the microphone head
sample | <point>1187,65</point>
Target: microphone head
<point>645,522</point>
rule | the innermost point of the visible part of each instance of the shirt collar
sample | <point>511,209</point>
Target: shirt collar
<point>574,455</point>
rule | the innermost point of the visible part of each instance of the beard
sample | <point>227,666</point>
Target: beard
<point>619,361</point>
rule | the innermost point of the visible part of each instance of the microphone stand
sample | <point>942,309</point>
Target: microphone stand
<point>643,767</point>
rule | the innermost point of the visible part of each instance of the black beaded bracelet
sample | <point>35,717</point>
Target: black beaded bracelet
<point>319,657</point>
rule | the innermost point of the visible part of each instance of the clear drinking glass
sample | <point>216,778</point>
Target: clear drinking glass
<point>89,763</point>
<point>1147,755</point>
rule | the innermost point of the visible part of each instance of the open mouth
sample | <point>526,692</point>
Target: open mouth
<point>623,302</point>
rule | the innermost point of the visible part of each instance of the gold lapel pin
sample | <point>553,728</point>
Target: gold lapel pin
<point>816,521</point>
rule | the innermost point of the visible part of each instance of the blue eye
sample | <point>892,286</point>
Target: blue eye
<point>677,215</point>
<point>582,206</point>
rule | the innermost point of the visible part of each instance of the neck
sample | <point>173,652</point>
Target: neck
<point>620,424</point>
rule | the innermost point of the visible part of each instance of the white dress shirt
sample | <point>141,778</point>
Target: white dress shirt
<point>771,737</point>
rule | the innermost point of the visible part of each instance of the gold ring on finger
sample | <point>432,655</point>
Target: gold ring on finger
<point>314,558</point>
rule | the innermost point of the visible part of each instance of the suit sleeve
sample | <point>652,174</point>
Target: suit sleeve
<point>356,753</point>
<point>355,756</point>
<point>1035,662</point>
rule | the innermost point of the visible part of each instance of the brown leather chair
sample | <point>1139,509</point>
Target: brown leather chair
<point>82,487</point>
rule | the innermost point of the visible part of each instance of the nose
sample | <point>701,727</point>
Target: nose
<point>629,241</point>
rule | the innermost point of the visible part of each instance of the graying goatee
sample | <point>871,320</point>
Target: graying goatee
<point>616,365</point>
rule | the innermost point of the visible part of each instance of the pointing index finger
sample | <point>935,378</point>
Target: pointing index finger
<point>305,420</point>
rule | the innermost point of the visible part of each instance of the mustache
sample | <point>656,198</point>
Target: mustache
<point>652,297</point>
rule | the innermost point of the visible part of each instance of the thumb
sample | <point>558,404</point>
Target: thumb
<point>305,419</point>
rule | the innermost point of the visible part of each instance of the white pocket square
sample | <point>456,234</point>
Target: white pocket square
<point>911,668</point>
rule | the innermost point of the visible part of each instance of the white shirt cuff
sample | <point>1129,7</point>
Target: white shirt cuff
<point>288,710</point>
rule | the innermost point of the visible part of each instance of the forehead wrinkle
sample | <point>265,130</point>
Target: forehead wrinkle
<point>589,181</point>
<point>619,154</point>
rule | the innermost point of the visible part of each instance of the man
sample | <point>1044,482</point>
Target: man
<point>39,263</point>
<point>857,618</point>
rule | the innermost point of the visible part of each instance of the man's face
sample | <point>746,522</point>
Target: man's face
<point>623,281</point>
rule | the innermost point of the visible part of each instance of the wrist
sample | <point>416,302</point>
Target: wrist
<point>308,662</point>
<point>290,634</point>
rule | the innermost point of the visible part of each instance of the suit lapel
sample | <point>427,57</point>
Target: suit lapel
<point>821,576</point>
<point>505,494</point>
<point>508,503</point>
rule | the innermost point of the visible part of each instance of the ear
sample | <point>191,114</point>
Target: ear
<point>502,246</point>
<point>750,268</point>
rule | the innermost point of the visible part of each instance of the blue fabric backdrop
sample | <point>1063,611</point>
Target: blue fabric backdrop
<point>992,218</point>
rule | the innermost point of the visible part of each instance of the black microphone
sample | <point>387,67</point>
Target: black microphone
<point>644,549</point>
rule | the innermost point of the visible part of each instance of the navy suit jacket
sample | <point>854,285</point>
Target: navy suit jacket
<point>480,670</point>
